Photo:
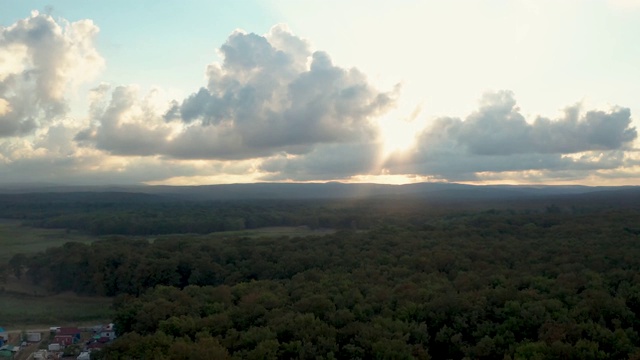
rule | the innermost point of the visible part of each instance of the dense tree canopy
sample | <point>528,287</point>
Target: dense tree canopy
<point>556,282</point>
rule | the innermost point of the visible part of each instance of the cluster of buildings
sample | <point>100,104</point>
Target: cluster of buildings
<point>60,338</point>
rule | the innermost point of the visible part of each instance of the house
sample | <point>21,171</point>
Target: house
<point>67,336</point>
<point>64,340</point>
<point>85,355</point>
<point>74,331</point>
<point>108,331</point>
<point>34,336</point>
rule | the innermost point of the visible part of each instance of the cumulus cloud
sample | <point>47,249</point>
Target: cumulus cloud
<point>497,138</point>
<point>271,94</point>
<point>124,123</point>
<point>40,59</point>
<point>498,128</point>
<point>52,155</point>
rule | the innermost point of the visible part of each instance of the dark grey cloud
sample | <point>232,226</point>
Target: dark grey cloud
<point>271,94</point>
<point>497,138</point>
<point>39,59</point>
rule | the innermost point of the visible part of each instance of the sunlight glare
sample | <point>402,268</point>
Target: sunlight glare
<point>398,132</point>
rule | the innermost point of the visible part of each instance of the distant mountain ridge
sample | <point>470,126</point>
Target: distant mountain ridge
<point>310,191</point>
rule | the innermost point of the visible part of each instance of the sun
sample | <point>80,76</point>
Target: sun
<point>397,134</point>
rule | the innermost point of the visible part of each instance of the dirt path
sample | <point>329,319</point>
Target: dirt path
<point>33,328</point>
<point>27,351</point>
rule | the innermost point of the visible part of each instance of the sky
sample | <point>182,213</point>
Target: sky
<point>208,92</point>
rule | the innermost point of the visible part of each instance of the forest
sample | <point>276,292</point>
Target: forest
<point>400,278</point>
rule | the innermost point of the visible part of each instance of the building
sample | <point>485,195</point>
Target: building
<point>108,331</point>
<point>34,336</point>
<point>64,340</point>
<point>67,336</point>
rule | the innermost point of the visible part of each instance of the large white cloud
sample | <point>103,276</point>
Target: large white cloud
<point>271,95</point>
<point>497,138</point>
<point>498,128</point>
<point>39,60</point>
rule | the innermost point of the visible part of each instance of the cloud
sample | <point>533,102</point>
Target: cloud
<point>497,138</point>
<point>52,155</point>
<point>271,109</point>
<point>270,95</point>
<point>327,162</point>
<point>39,60</point>
<point>123,123</point>
<point>498,128</point>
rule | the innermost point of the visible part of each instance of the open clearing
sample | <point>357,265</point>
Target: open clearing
<point>15,238</point>
<point>23,304</point>
<point>18,311</point>
<point>272,231</point>
<point>276,231</point>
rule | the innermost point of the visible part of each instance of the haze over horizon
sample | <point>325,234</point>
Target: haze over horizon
<point>493,92</point>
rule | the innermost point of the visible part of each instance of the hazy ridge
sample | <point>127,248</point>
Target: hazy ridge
<point>307,191</point>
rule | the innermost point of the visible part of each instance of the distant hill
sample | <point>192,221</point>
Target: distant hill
<point>310,191</point>
<point>81,197</point>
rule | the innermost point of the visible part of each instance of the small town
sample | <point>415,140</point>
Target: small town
<point>57,342</point>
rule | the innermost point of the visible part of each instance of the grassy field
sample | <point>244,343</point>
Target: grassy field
<point>23,304</point>
<point>276,231</point>
<point>21,311</point>
<point>15,238</point>
<point>273,231</point>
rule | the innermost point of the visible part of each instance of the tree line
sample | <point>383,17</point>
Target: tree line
<point>152,216</point>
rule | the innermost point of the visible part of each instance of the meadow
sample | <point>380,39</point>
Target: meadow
<point>27,305</point>
<point>16,238</point>
<point>274,231</point>
<point>20,311</point>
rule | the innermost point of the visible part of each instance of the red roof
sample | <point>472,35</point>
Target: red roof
<point>63,339</point>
